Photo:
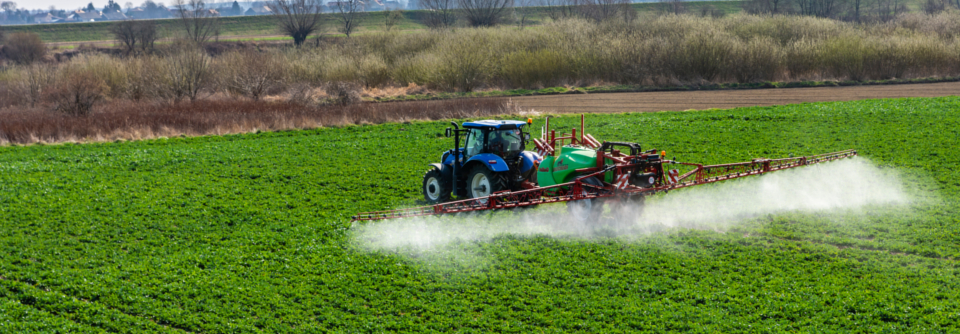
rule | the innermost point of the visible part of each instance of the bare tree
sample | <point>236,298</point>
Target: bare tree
<point>484,13</point>
<point>201,23</point>
<point>77,95</point>
<point>187,73</point>
<point>124,32</point>
<point>391,18</point>
<point>522,10</point>
<point>856,5</point>
<point>24,48</point>
<point>673,7</point>
<point>298,18</point>
<point>349,13</point>
<point>889,9</point>
<point>146,31</point>
<point>602,10</point>
<point>250,73</point>
<point>135,36</point>
<point>37,79</point>
<point>933,6</point>
<point>768,6</point>
<point>441,13</point>
<point>561,9</point>
<point>819,8</point>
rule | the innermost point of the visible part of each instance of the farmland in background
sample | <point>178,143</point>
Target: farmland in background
<point>664,52</point>
<point>243,233</point>
<point>253,26</point>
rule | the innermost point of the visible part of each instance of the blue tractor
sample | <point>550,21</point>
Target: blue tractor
<point>492,159</point>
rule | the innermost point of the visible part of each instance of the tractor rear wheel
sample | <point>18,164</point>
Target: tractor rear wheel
<point>482,182</point>
<point>435,188</point>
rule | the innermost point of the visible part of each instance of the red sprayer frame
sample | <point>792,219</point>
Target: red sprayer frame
<point>622,168</point>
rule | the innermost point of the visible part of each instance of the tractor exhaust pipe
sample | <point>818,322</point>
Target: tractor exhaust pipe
<point>456,157</point>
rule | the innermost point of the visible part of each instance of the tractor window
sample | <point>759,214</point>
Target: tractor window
<point>474,142</point>
<point>506,141</point>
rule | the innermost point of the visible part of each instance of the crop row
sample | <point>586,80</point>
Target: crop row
<point>243,233</point>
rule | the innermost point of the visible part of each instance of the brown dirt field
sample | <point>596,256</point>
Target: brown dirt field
<point>110,43</point>
<point>724,99</point>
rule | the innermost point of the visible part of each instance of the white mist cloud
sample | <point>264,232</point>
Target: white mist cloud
<point>846,184</point>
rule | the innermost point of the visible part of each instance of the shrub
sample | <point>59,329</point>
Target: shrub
<point>533,69</point>
<point>804,59</point>
<point>300,93</point>
<point>711,11</point>
<point>135,36</point>
<point>185,73</point>
<point>843,57</point>
<point>343,93</point>
<point>933,6</point>
<point>663,50</point>
<point>24,48</point>
<point>33,80</point>
<point>756,60</point>
<point>702,57</point>
<point>77,94</point>
<point>464,62</point>
<point>250,73</point>
<point>419,69</point>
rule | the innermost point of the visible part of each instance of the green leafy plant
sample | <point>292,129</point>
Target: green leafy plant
<point>251,233</point>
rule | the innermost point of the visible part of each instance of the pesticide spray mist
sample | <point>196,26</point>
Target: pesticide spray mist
<point>849,184</point>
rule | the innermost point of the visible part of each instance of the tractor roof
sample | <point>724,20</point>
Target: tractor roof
<point>495,124</point>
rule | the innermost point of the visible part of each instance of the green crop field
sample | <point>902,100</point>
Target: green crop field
<point>249,233</point>
<point>266,25</point>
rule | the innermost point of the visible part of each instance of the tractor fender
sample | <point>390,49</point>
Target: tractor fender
<point>447,157</point>
<point>528,159</point>
<point>491,161</point>
<point>445,171</point>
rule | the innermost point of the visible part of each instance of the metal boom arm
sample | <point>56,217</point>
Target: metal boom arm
<point>578,190</point>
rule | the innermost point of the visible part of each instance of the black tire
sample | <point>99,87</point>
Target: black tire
<point>478,188</point>
<point>586,210</point>
<point>436,188</point>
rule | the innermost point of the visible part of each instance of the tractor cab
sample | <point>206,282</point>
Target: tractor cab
<point>491,159</point>
<point>505,139</point>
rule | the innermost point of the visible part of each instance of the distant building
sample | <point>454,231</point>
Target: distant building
<point>392,4</point>
<point>335,5</point>
<point>258,10</point>
<point>114,16</point>
<point>374,5</point>
<point>232,10</point>
<point>46,18</point>
<point>155,12</point>
<point>82,16</point>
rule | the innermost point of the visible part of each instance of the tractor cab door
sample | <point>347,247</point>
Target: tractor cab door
<point>476,138</point>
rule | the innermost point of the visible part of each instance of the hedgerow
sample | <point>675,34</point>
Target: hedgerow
<point>656,51</point>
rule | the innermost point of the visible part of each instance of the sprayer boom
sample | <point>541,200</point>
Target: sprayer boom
<point>585,173</point>
<point>579,190</point>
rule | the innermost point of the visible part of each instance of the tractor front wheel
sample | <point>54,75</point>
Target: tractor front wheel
<point>482,182</point>
<point>435,188</point>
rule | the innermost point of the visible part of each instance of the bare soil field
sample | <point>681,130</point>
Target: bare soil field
<point>723,99</point>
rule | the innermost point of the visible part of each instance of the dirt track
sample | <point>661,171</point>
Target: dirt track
<point>665,101</point>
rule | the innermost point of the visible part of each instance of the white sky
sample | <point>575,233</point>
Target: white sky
<point>67,4</point>
<point>74,4</point>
